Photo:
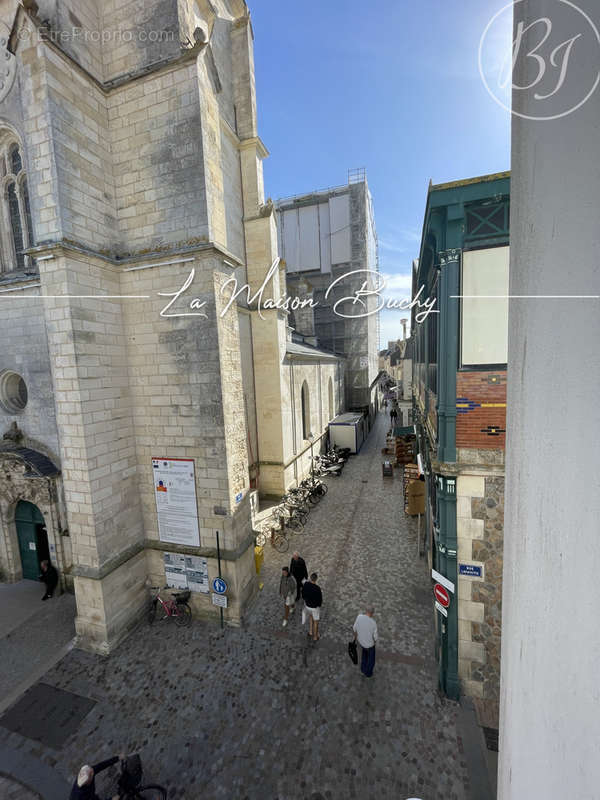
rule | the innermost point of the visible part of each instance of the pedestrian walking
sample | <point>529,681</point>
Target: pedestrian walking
<point>365,632</point>
<point>299,571</point>
<point>313,600</point>
<point>50,577</point>
<point>393,416</point>
<point>287,590</point>
<point>385,404</point>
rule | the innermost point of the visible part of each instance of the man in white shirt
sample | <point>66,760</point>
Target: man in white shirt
<point>365,632</point>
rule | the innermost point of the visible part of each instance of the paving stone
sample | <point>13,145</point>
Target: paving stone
<point>13,790</point>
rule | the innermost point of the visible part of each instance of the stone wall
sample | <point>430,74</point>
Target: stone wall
<point>178,387</point>
<point>93,407</point>
<point>134,184</point>
<point>480,520</point>
<point>25,351</point>
<point>157,151</point>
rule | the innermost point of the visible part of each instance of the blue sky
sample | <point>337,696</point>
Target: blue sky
<point>387,85</point>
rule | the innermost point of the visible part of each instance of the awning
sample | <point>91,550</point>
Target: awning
<point>38,465</point>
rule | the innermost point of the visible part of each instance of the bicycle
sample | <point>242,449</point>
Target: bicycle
<point>130,779</point>
<point>176,608</point>
<point>296,506</point>
<point>303,496</point>
<point>289,517</point>
<point>277,538</point>
<point>315,486</point>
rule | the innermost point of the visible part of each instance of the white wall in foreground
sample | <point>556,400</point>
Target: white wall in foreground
<point>550,692</point>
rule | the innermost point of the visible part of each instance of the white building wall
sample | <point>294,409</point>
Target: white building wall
<point>550,693</point>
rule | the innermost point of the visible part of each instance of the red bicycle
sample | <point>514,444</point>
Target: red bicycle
<point>176,607</point>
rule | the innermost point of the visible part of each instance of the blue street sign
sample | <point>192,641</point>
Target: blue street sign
<point>219,586</point>
<point>472,570</point>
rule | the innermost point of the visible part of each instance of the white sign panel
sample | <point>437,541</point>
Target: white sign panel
<point>219,600</point>
<point>441,608</point>
<point>364,362</point>
<point>197,574</point>
<point>437,576</point>
<point>175,494</point>
<point>175,574</point>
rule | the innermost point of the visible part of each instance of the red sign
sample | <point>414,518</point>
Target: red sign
<point>441,595</point>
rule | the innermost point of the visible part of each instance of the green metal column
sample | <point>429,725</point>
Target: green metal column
<point>448,357</point>
<point>448,352</point>
<point>447,512</point>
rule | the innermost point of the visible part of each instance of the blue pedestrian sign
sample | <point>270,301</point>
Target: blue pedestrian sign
<point>219,586</point>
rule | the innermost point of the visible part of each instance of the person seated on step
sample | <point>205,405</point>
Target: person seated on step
<point>50,577</point>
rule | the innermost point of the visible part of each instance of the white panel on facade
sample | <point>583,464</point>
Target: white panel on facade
<point>324,232</point>
<point>291,239</point>
<point>485,321</point>
<point>339,218</point>
<point>308,220</point>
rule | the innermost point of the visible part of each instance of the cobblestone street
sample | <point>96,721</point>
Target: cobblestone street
<point>261,712</point>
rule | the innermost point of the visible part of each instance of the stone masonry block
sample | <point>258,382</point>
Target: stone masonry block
<point>470,486</point>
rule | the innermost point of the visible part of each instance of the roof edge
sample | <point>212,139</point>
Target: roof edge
<point>495,176</point>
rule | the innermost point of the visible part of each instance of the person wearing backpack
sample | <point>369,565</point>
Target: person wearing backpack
<point>287,590</point>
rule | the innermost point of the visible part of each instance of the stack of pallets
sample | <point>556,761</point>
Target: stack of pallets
<point>405,450</point>
<point>411,473</point>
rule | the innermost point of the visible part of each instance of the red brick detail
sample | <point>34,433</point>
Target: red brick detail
<point>480,388</point>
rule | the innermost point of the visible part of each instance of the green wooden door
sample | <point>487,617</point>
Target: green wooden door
<point>28,519</point>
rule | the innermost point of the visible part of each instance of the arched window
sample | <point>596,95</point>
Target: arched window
<point>305,411</point>
<point>330,393</point>
<point>16,231</point>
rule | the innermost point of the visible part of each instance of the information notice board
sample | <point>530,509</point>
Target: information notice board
<point>186,572</point>
<point>175,495</point>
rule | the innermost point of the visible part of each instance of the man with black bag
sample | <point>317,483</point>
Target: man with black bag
<point>365,632</point>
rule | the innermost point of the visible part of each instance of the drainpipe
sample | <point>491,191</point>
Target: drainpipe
<point>294,441</point>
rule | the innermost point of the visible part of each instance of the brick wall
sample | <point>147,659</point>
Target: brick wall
<point>481,409</point>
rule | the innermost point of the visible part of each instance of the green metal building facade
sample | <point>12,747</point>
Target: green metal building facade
<point>458,435</point>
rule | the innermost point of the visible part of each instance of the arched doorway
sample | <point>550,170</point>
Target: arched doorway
<point>33,538</point>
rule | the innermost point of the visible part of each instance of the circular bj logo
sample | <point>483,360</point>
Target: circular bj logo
<point>540,65</point>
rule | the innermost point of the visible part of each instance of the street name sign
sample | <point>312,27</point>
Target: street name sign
<point>470,570</point>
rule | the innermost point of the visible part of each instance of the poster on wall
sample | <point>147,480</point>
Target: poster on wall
<point>196,569</point>
<point>175,573</point>
<point>186,572</point>
<point>175,495</point>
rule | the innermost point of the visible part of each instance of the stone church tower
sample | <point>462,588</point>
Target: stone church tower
<point>130,166</point>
